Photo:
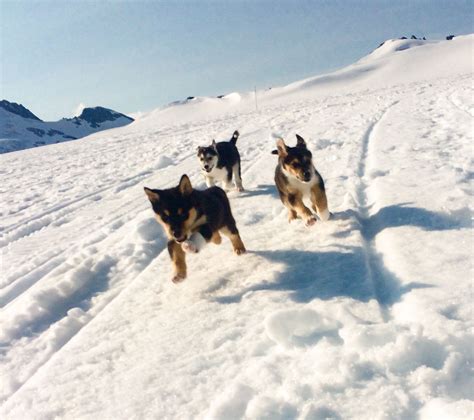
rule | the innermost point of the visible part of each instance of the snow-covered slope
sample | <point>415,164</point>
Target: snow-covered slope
<point>368,315</point>
<point>20,129</point>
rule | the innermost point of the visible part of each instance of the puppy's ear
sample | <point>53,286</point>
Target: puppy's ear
<point>185,186</point>
<point>214,145</point>
<point>281,146</point>
<point>300,142</point>
<point>152,194</point>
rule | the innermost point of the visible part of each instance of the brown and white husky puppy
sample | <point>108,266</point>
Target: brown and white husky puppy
<point>296,178</point>
<point>220,162</point>
<point>192,218</point>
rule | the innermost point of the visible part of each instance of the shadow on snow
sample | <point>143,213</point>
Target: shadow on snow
<point>355,272</point>
<point>402,215</point>
<point>263,189</point>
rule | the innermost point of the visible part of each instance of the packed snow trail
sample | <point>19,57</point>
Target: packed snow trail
<point>366,313</point>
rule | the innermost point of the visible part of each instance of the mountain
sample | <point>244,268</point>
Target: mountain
<point>368,315</point>
<point>17,109</point>
<point>21,129</point>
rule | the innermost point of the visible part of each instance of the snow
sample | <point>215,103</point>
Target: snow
<point>367,315</point>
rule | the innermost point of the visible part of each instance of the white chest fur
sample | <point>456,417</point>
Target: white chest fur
<point>219,174</point>
<point>303,187</point>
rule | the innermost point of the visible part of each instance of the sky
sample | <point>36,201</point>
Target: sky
<point>131,56</point>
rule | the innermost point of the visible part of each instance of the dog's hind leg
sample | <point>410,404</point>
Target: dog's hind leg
<point>237,177</point>
<point>216,238</point>
<point>233,234</point>
<point>178,260</point>
<point>227,181</point>
<point>320,203</point>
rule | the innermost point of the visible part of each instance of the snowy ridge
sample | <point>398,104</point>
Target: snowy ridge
<point>397,62</point>
<point>368,313</point>
<point>20,129</point>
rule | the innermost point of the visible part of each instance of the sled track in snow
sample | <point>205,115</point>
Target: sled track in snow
<point>385,284</point>
<point>54,215</point>
<point>33,224</point>
<point>50,264</point>
<point>69,303</point>
<point>48,217</point>
<point>21,282</point>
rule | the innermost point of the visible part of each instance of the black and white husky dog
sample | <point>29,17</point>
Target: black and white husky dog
<point>220,162</point>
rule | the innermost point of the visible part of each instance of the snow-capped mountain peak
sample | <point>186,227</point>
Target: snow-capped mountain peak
<point>18,109</point>
<point>21,129</point>
<point>99,115</point>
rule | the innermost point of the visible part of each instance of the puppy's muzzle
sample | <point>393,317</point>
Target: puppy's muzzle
<point>179,237</point>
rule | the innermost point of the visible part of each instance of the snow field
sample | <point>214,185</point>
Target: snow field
<point>368,315</point>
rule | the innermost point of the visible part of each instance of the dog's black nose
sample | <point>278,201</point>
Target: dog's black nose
<point>206,167</point>
<point>178,235</point>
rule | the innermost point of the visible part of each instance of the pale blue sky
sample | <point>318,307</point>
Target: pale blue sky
<point>138,55</point>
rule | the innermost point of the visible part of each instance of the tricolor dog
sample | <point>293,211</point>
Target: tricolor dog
<point>220,162</point>
<point>296,178</point>
<point>192,218</point>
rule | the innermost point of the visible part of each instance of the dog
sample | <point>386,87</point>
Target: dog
<point>220,162</point>
<point>296,178</point>
<point>192,218</point>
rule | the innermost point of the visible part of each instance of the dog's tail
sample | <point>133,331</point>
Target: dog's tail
<point>234,138</point>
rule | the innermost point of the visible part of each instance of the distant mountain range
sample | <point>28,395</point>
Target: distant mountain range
<point>21,129</point>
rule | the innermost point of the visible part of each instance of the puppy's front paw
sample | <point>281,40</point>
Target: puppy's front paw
<point>292,216</point>
<point>325,215</point>
<point>310,221</point>
<point>178,278</point>
<point>189,247</point>
<point>240,251</point>
<point>240,189</point>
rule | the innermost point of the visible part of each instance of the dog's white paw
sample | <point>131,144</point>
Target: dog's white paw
<point>178,278</point>
<point>325,215</point>
<point>240,189</point>
<point>310,221</point>
<point>189,247</point>
<point>194,244</point>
